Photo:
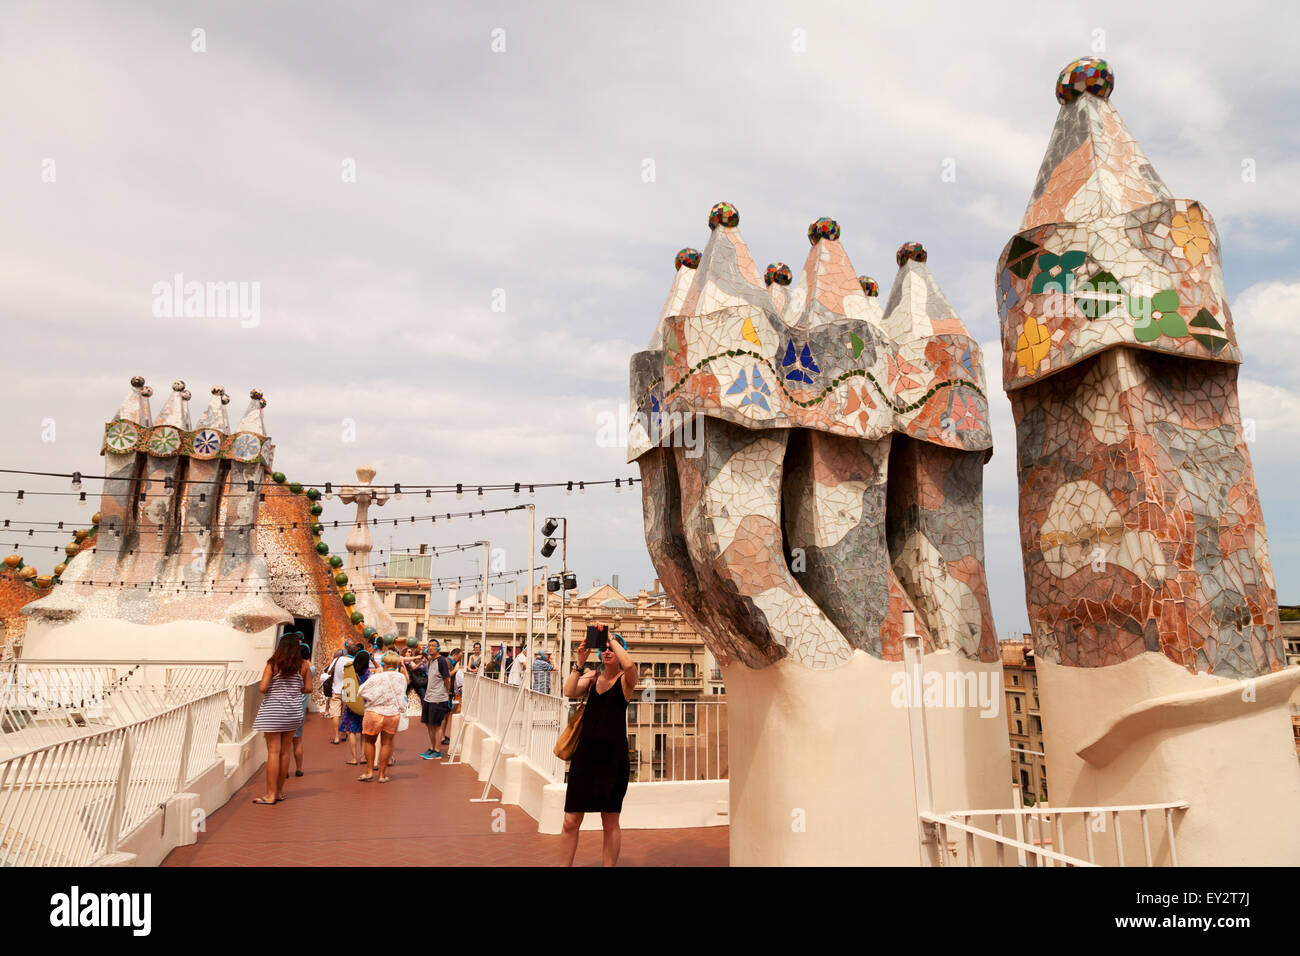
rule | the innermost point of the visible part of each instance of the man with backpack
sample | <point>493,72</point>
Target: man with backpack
<point>333,686</point>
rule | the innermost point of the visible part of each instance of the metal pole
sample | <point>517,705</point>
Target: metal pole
<point>532,550</point>
<point>564,570</point>
<point>487,556</point>
<point>914,675</point>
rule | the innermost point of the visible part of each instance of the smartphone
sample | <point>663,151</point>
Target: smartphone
<point>597,636</point>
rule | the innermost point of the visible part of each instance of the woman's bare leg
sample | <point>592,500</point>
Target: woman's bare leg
<point>369,763</point>
<point>297,753</point>
<point>385,753</point>
<point>272,766</point>
<point>285,747</point>
<point>613,839</point>
<point>569,837</point>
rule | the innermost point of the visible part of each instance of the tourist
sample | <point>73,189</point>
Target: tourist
<point>519,667</point>
<point>336,706</point>
<point>437,703</point>
<point>297,734</point>
<point>457,681</point>
<point>599,770</point>
<point>475,664</point>
<point>350,724</point>
<point>542,668</point>
<point>453,667</point>
<point>285,679</point>
<point>385,696</point>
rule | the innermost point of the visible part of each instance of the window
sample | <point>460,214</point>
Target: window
<point>1015,679</point>
<point>631,713</point>
<point>688,671</point>
<point>419,629</point>
<point>631,743</point>
<point>661,671</point>
<point>661,714</point>
<point>1019,727</point>
<point>688,713</point>
<point>1016,701</point>
<point>410,601</point>
<point>401,629</point>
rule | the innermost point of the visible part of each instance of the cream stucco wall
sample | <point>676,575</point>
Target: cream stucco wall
<point>1148,731</point>
<point>821,764</point>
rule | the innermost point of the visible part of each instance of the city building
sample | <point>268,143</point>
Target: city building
<point>676,727</point>
<point>1024,720</point>
<point>1290,615</point>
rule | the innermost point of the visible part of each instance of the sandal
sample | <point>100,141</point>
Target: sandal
<point>353,763</point>
<point>385,779</point>
<point>263,802</point>
<point>366,777</point>
<point>297,773</point>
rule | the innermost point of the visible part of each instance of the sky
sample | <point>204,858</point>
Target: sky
<point>461,220</point>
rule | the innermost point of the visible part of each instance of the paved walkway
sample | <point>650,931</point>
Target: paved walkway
<point>423,817</point>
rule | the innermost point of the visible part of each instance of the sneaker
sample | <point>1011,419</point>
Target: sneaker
<point>427,753</point>
<point>446,740</point>
<point>431,755</point>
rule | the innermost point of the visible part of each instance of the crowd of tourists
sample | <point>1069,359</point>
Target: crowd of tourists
<point>370,687</point>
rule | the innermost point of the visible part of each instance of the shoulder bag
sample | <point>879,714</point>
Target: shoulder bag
<point>567,744</point>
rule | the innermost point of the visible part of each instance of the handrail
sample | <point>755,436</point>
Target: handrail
<point>1051,825</point>
<point>74,802</point>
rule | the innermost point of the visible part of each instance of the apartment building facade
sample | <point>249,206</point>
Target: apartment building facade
<point>1024,720</point>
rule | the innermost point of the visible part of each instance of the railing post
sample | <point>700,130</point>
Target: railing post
<point>182,776</point>
<point>119,795</point>
<point>914,675</point>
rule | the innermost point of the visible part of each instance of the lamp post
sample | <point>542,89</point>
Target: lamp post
<point>561,582</point>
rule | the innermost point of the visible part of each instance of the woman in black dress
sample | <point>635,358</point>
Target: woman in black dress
<point>599,770</point>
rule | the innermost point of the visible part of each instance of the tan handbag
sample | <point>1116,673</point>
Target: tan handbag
<point>567,744</point>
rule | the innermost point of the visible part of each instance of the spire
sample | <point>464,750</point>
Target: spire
<point>727,275</point>
<point>252,420</point>
<point>686,262</point>
<point>917,306</point>
<point>173,413</point>
<point>185,408</point>
<point>135,407</point>
<point>1093,168</point>
<point>777,277</point>
<point>828,284</point>
<point>214,416</point>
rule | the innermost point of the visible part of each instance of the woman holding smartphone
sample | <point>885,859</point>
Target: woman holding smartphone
<point>599,770</point>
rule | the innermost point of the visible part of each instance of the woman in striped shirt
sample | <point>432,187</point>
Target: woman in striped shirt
<point>285,679</point>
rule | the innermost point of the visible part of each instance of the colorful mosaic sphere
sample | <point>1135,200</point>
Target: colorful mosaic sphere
<point>724,214</point>
<point>137,381</point>
<point>869,285</point>
<point>1089,74</point>
<point>910,250</point>
<point>823,228</point>
<point>779,273</point>
<point>688,257</point>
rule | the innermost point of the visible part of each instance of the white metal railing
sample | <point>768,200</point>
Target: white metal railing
<point>74,802</point>
<point>44,702</point>
<point>1051,823</point>
<point>678,739</point>
<point>668,739</point>
<point>1040,835</point>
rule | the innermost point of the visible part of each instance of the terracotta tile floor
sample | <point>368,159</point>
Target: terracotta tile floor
<point>422,817</point>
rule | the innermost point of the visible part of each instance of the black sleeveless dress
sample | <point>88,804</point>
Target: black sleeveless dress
<point>599,770</point>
